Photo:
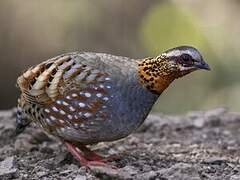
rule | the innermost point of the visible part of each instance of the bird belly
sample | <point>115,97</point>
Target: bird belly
<point>115,120</point>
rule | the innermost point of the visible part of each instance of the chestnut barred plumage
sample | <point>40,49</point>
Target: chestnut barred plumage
<point>85,98</point>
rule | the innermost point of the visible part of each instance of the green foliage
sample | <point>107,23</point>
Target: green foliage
<point>167,26</point>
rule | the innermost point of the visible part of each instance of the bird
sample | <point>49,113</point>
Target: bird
<point>84,98</point>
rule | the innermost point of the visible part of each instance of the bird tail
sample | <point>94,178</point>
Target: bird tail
<point>22,121</point>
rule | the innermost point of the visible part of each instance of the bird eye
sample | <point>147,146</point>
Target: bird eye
<point>186,59</point>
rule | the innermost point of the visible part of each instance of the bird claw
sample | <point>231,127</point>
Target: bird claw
<point>96,157</point>
<point>92,159</point>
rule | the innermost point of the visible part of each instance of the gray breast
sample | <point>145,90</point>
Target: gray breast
<point>128,108</point>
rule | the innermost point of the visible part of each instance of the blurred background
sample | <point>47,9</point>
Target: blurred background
<point>32,31</point>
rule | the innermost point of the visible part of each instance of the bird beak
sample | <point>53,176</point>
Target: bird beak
<point>202,65</point>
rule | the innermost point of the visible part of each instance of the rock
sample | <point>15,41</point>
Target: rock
<point>147,175</point>
<point>7,168</point>
<point>41,174</point>
<point>235,177</point>
<point>80,177</point>
<point>39,137</point>
<point>130,170</point>
<point>215,161</point>
<point>199,122</point>
<point>22,144</point>
<point>112,173</point>
<point>218,112</point>
<point>180,171</point>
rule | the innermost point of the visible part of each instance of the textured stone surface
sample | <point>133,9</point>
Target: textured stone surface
<point>7,168</point>
<point>199,145</point>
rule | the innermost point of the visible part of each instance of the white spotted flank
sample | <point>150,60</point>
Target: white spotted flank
<point>81,104</point>
<point>87,94</point>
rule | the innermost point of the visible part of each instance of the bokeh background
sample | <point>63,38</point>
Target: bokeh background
<point>32,31</point>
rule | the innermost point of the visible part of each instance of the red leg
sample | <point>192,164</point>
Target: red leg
<point>84,162</point>
<point>91,155</point>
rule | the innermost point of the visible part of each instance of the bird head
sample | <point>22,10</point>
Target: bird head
<point>183,60</point>
<point>157,73</point>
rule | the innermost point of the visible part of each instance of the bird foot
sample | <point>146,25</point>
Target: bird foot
<point>91,159</point>
<point>96,157</point>
<point>92,156</point>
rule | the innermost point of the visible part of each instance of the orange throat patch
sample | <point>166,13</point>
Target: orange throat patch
<point>155,74</point>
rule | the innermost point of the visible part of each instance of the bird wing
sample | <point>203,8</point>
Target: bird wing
<point>74,90</point>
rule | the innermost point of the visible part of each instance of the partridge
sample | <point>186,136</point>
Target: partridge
<point>85,98</point>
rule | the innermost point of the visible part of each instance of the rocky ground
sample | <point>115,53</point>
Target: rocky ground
<point>199,145</point>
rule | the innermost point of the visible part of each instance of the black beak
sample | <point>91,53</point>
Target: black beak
<point>202,65</point>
